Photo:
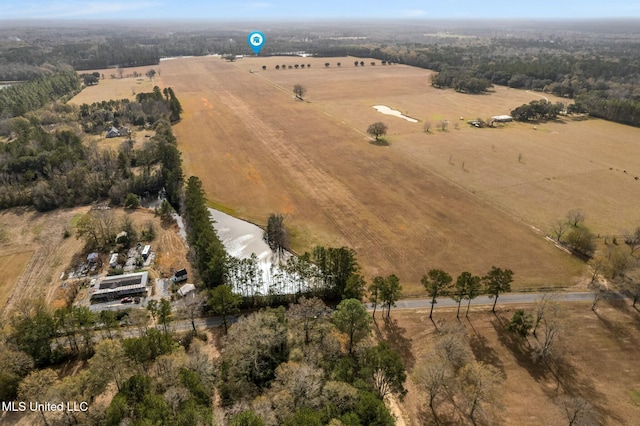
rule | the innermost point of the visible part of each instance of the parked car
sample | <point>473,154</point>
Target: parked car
<point>126,300</point>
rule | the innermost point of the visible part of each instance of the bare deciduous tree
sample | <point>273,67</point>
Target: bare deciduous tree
<point>558,229</point>
<point>434,375</point>
<point>575,217</point>
<point>541,308</point>
<point>551,323</point>
<point>480,386</point>
<point>307,313</point>
<point>632,239</point>
<point>598,290</point>
<point>577,410</point>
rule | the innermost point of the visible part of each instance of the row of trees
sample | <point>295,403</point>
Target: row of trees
<point>209,254</point>
<point>438,283</point>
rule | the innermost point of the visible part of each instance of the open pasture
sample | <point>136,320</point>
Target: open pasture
<point>114,86</point>
<point>258,151</point>
<point>594,358</point>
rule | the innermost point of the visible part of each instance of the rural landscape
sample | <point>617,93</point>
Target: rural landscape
<point>430,223</point>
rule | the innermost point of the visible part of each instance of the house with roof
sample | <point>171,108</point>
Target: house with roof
<point>113,132</point>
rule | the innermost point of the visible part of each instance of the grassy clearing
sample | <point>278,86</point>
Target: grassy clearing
<point>11,267</point>
<point>596,355</point>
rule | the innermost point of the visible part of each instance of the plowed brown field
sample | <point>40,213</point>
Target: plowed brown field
<point>463,199</point>
<point>259,151</point>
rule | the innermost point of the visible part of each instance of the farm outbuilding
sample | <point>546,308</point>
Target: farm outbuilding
<point>118,286</point>
<point>186,289</point>
<point>179,276</point>
<point>502,118</point>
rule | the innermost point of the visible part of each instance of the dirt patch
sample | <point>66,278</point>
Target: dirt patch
<point>589,347</point>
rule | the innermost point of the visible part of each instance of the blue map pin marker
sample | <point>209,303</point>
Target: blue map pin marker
<point>256,41</point>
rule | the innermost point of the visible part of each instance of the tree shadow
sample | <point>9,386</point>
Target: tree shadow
<point>576,384</point>
<point>395,335</point>
<point>444,418</point>
<point>380,142</point>
<point>519,348</point>
<point>621,332</point>
<point>485,353</point>
<point>620,302</point>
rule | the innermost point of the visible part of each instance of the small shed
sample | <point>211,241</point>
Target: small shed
<point>180,276</point>
<point>186,289</point>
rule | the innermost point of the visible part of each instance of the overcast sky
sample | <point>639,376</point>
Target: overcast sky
<point>312,10</point>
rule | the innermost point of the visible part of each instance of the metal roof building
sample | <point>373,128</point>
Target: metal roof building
<point>118,286</point>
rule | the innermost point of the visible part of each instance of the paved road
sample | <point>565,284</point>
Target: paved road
<point>509,298</point>
<point>444,302</point>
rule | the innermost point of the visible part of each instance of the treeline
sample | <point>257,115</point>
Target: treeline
<point>55,169</point>
<point>626,111</point>
<point>210,255</point>
<point>537,110</point>
<point>20,99</point>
